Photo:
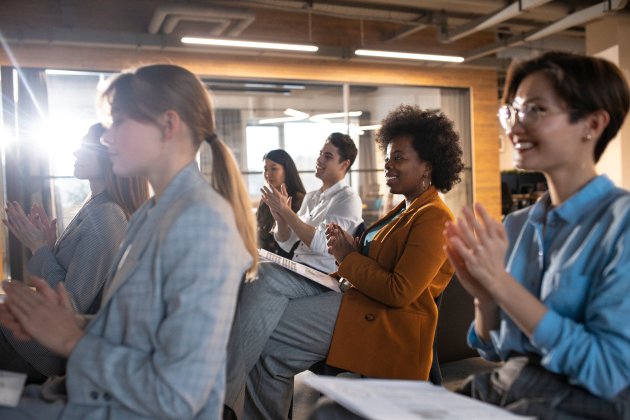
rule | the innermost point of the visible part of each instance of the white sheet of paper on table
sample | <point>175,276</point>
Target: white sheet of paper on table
<point>379,399</point>
<point>11,386</point>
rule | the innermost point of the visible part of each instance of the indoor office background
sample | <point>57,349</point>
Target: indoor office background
<point>251,118</point>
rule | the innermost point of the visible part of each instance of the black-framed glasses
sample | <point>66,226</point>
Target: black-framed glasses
<point>529,115</point>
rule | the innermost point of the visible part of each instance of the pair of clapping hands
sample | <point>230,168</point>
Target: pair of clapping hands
<point>340,243</point>
<point>33,231</point>
<point>41,315</point>
<point>476,249</point>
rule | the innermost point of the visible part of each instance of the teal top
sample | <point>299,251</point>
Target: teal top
<point>372,231</point>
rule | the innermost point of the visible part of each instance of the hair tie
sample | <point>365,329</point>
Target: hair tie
<point>210,138</point>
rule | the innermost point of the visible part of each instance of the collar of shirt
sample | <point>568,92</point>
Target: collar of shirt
<point>577,204</point>
<point>323,195</point>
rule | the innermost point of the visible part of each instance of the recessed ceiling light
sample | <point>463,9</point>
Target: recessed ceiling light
<point>410,56</point>
<point>249,44</point>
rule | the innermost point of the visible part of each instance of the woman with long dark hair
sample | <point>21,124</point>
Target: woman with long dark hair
<point>280,172</point>
<point>81,258</point>
<point>156,348</point>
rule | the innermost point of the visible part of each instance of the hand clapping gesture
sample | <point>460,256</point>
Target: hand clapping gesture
<point>41,315</point>
<point>477,253</point>
<point>33,231</point>
<point>279,202</point>
<point>340,242</point>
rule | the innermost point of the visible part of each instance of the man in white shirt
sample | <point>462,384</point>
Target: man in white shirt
<point>335,202</point>
<point>262,302</point>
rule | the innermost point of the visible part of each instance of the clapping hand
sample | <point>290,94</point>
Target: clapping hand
<point>279,202</point>
<point>29,230</point>
<point>477,252</point>
<point>41,315</point>
<point>340,242</point>
<point>38,218</point>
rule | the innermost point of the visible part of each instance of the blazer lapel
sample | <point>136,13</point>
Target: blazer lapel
<point>380,237</point>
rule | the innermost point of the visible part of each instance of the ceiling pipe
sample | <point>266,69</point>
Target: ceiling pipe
<point>419,24</point>
<point>199,12</point>
<point>513,10</point>
<point>574,19</point>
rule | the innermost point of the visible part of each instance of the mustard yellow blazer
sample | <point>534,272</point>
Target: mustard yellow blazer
<point>387,320</point>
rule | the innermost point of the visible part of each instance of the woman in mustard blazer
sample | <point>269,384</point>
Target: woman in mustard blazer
<point>383,325</point>
<point>388,317</point>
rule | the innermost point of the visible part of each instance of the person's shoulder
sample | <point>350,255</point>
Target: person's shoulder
<point>433,209</point>
<point>108,211</point>
<point>200,208</point>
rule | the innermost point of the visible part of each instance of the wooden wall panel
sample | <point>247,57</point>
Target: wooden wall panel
<point>483,85</point>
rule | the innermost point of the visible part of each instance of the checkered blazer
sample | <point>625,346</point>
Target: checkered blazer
<point>157,347</point>
<point>81,259</point>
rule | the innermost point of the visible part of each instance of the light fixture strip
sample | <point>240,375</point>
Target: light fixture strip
<point>249,44</point>
<point>410,56</point>
<point>339,114</point>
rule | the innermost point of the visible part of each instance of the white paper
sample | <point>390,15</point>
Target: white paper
<point>301,269</point>
<point>11,386</point>
<point>380,399</point>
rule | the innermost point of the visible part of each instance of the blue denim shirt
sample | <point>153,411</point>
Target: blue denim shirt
<point>580,269</point>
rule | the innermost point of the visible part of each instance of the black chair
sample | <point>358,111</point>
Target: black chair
<point>360,229</point>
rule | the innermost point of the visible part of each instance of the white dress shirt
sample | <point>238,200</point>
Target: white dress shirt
<point>339,204</point>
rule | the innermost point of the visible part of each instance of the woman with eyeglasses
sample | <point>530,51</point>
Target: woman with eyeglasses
<point>552,285</point>
<point>82,256</point>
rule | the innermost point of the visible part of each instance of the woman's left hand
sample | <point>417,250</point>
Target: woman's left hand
<point>340,242</point>
<point>31,236</point>
<point>42,315</point>
<point>482,248</point>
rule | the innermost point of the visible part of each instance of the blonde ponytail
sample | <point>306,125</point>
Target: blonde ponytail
<point>226,180</point>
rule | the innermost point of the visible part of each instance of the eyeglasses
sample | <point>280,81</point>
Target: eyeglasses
<point>529,116</point>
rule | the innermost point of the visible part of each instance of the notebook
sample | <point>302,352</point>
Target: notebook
<point>301,269</point>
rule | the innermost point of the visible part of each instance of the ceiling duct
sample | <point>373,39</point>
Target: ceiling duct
<point>513,10</point>
<point>168,15</point>
<point>581,17</point>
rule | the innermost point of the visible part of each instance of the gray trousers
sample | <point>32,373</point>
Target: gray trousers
<point>13,361</point>
<point>283,325</point>
<point>523,387</point>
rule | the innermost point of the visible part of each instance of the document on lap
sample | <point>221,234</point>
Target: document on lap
<point>383,399</point>
<point>301,269</point>
<point>11,386</point>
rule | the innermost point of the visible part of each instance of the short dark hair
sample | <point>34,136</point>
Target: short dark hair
<point>433,138</point>
<point>345,147</point>
<point>585,84</point>
<point>292,180</point>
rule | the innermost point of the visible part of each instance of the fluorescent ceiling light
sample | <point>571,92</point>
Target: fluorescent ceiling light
<point>339,115</point>
<point>249,44</point>
<point>280,120</point>
<point>391,54</point>
<point>295,113</point>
